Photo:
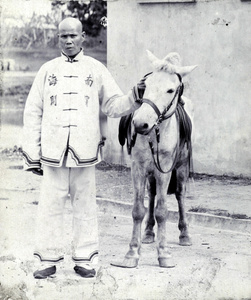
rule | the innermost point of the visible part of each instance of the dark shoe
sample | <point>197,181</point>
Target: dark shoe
<point>83,272</point>
<point>42,274</point>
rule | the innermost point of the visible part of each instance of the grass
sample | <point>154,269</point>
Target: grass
<point>218,212</point>
<point>15,90</point>
<point>105,166</point>
<point>225,179</point>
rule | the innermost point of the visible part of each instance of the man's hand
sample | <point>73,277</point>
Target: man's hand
<point>37,171</point>
<point>141,86</point>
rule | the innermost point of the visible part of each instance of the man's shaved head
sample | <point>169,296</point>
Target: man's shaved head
<point>71,36</point>
<point>70,23</point>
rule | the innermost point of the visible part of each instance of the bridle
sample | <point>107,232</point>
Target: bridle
<point>161,117</point>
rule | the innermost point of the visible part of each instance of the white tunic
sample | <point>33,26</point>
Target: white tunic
<point>62,111</point>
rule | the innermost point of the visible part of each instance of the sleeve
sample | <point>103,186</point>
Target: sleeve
<point>114,103</point>
<point>32,118</point>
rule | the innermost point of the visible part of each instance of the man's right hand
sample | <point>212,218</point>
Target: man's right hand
<point>141,86</point>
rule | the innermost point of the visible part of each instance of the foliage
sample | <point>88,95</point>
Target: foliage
<point>40,31</point>
<point>90,14</point>
<point>37,32</point>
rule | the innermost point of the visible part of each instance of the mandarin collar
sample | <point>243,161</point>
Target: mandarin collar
<point>78,57</point>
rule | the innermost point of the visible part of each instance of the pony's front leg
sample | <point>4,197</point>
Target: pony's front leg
<point>138,213</point>
<point>150,220</point>
<point>161,213</point>
<point>182,177</point>
<point>132,256</point>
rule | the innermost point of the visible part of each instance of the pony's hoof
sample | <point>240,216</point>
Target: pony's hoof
<point>127,263</point>
<point>166,262</point>
<point>185,241</point>
<point>148,238</point>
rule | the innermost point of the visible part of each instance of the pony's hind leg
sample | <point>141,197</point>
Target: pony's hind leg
<point>150,220</point>
<point>182,177</point>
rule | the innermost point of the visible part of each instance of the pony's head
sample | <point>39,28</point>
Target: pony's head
<point>163,89</point>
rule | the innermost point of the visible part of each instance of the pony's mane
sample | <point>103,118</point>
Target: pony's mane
<point>165,66</point>
<point>168,64</point>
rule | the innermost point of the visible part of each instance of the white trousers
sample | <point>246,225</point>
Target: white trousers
<point>56,186</point>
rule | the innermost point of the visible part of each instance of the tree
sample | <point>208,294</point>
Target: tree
<point>89,13</point>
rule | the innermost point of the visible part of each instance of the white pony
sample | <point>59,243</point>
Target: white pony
<point>159,140</point>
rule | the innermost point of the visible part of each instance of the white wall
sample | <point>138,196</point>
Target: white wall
<point>216,35</point>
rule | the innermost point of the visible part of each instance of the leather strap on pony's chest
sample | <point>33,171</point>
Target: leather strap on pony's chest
<point>155,154</point>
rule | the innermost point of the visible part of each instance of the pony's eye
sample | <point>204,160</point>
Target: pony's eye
<point>170,91</point>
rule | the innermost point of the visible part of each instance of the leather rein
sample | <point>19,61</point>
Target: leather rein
<point>161,117</point>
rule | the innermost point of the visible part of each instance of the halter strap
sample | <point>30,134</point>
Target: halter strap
<point>153,105</point>
<point>162,116</point>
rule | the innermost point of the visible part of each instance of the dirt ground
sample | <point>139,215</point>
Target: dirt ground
<point>216,266</point>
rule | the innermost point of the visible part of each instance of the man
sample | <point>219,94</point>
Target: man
<point>62,142</point>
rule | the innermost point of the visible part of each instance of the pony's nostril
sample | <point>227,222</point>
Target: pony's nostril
<point>141,128</point>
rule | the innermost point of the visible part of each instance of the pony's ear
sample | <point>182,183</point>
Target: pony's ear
<point>183,71</point>
<point>153,59</point>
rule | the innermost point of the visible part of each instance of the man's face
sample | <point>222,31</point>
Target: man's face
<point>70,38</point>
